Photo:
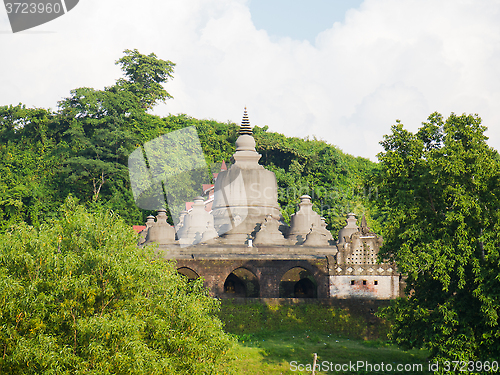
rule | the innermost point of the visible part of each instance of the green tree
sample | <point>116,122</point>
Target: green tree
<point>441,187</point>
<point>77,296</point>
<point>96,139</point>
<point>145,76</point>
<point>27,165</point>
<point>97,130</point>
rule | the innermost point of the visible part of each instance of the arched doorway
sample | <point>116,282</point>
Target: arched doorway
<point>242,283</point>
<point>298,282</point>
<point>188,272</point>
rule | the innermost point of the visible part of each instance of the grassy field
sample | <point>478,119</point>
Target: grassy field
<point>352,321</point>
<point>274,353</point>
<point>277,339</point>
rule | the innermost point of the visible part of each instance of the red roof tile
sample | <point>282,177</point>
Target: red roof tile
<point>207,187</point>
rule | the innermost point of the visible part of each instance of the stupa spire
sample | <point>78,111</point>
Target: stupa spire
<point>245,128</point>
<point>245,141</point>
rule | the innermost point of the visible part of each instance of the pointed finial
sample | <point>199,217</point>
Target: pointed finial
<point>245,127</point>
<point>364,226</point>
<point>363,222</point>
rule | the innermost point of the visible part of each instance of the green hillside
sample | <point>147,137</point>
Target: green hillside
<point>82,149</point>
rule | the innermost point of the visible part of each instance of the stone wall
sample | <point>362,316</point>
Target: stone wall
<point>269,274</point>
<point>371,287</point>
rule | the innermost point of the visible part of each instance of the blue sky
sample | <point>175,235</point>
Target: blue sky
<point>342,71</point>
<point>299,19</point>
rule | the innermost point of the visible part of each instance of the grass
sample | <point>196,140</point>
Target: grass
<point>270,337</point>
<point>241,318</point>
<point>273,352</point>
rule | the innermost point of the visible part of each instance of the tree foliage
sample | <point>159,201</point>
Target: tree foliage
<point>78,297</point>
<point>96,124</point>
<point>145,75</point>
<point>82,149</point>
<point>441,187</point>
<point>28,191</point>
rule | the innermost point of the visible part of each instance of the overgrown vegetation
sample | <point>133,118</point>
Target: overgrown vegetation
<point>77,296</point>
<point>272,337</point>
<point>442,189</point>
<point>82,149</point>
<point>256,317</point>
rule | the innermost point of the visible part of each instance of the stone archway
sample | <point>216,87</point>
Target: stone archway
<point>298,282</point>
<point>242,283</point>
<point>188,272</point>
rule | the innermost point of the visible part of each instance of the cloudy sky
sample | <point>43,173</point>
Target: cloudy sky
<point>340,70</point>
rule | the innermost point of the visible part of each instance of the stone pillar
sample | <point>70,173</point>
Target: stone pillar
<point>269,282</point>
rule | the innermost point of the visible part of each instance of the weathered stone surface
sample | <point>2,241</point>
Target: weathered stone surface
<point>160,231</point>
<point>303,220</point>
<point>325,232</point>
<point>150,220</point>
<point>357,274</point>
<point>351,228</point>
<point>269,233</point>
<point>180,229</point>
<point>198,225</point>
<point>370,287</point>
<point>315,238</point>
<point>269,273</point>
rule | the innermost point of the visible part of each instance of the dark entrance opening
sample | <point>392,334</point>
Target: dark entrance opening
<point>233,285</point>
<point>242,283</point>
<point>298,283</point>
<point>304,288</point>
<point>188,272</point>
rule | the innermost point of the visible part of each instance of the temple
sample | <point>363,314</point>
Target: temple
<point>237,240</point>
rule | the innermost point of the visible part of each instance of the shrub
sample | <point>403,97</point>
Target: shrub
<point>77,296</point>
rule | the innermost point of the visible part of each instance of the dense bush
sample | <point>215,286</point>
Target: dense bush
<point>77,296</point>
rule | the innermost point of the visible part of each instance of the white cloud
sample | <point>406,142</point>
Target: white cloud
<point>390,59</point>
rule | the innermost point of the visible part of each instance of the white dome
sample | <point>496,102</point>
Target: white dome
<point>245,143</point>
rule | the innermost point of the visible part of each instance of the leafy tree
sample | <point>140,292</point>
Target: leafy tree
<point>98,130</point>
<point>86,143</point>
<point>26,188</point>
<point>145,75</point>
<point>78,297</point>
<point>441,187</point>
<point>96,141</point>
<point>27,165</point>
<point>27,125</point>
